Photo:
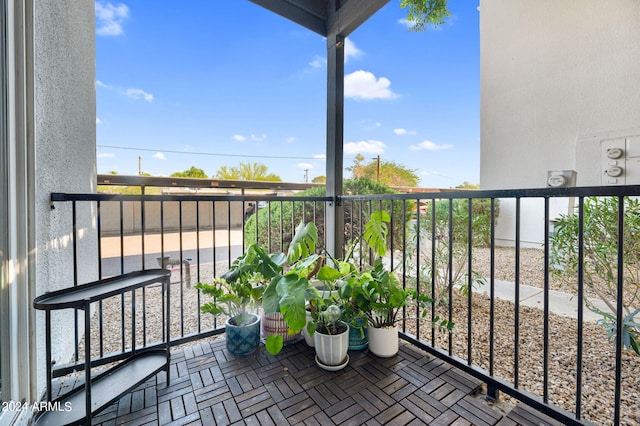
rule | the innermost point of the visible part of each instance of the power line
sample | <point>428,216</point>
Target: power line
<point>207,153</point>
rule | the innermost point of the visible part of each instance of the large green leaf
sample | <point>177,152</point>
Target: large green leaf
<point>271,298</point>
<point>292,290</point>
<point>303,243</point>
<point>274,344</point>
<point>327,273</point>
<point>376,230</point>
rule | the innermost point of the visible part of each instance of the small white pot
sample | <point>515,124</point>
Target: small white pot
<point>383,342</point>
<point>307,338</point>
<point>331,350</point>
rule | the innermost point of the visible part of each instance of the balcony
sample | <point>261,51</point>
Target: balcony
<point>515,357</point>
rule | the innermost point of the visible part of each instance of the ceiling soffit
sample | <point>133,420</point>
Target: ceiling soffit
<point>325,17</point>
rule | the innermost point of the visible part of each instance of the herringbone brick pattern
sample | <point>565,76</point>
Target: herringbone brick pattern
<point>211,386</point>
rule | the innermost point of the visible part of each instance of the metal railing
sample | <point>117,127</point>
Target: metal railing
<point>441,243</point>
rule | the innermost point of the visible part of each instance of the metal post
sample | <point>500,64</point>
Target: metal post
<point>335,134</point>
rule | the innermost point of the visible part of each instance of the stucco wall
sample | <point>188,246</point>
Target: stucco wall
<point>65,117</point>
<point>557,77</point>
<point>552,73</point>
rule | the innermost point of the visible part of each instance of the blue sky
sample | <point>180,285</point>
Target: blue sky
<point>213,83</point>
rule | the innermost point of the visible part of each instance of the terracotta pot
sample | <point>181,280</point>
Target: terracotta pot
<point>383,342</point>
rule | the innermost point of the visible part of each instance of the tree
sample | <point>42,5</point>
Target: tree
<point>193,172</point>
<point>247,171</point>
<point>391,173</point>
<point>468,185</point>
<point>425,13</point>
<point>319,179</point>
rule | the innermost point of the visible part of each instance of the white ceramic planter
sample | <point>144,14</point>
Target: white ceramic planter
<point>307,338</point>
<point>331,350</point>
<point>324,294</point>
<point>383,342</point>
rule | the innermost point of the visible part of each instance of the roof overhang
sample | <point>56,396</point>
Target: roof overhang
<point>325,17</point>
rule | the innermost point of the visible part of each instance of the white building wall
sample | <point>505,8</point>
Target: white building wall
<point>65,158</point>
<point>557,78</point>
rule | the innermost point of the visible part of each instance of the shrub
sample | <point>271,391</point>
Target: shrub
<point>600,260</point>
<point>451,226</point>
<point>273,227</point>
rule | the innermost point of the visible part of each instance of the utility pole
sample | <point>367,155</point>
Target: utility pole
<point>306,175</point>
<point>139,166</point>
<point>378,168</point>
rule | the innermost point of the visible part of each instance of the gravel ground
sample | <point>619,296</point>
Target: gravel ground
<point>598,368</point>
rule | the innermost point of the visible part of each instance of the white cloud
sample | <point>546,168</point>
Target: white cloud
<point>305,166</point>
<point>291,139</point>
<point>320,156</point>
<point>350,50</point>
<point>238,138</point>
<point>364,85</point>
<point>98,121</point>
<point>106,155</point>
<point>318,62</point>
<point>159,156</point>
<point>139,94</point>
<point>259,138</point>
<point>101,84</point>
<point>109,18</point>
<point>407,23</point>
<point>429,146</point>
<point>364,147</point>
<point>401,131</point>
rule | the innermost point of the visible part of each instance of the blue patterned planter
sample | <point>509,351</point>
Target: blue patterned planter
<point>356,341</point>
<point>244,339</point>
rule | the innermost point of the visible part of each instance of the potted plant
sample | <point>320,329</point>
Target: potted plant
<point>330,334</point>
<point>379,295</point>
<point>288,291</point>
<point>237,294</point>
<point>355,318</point>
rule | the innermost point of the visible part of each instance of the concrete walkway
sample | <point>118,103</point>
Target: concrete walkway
<point>563,304</point>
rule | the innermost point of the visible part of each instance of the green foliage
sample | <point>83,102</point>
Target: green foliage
<point>467,185</point>
<point>450,233</point>
<point>241,288</point>
<point>600,258</point>
<point>289,292</point>
<point>276,223</point>
<point>319,179</point>
<point>630,329</point>
<point>193,172</point>
<point>376,231</point>
<point>391,173</point>
<point>247,171</point>
<point>425,13</point>
<point>274,344</point>
<point>303,243</point>
<point>326,318</point>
